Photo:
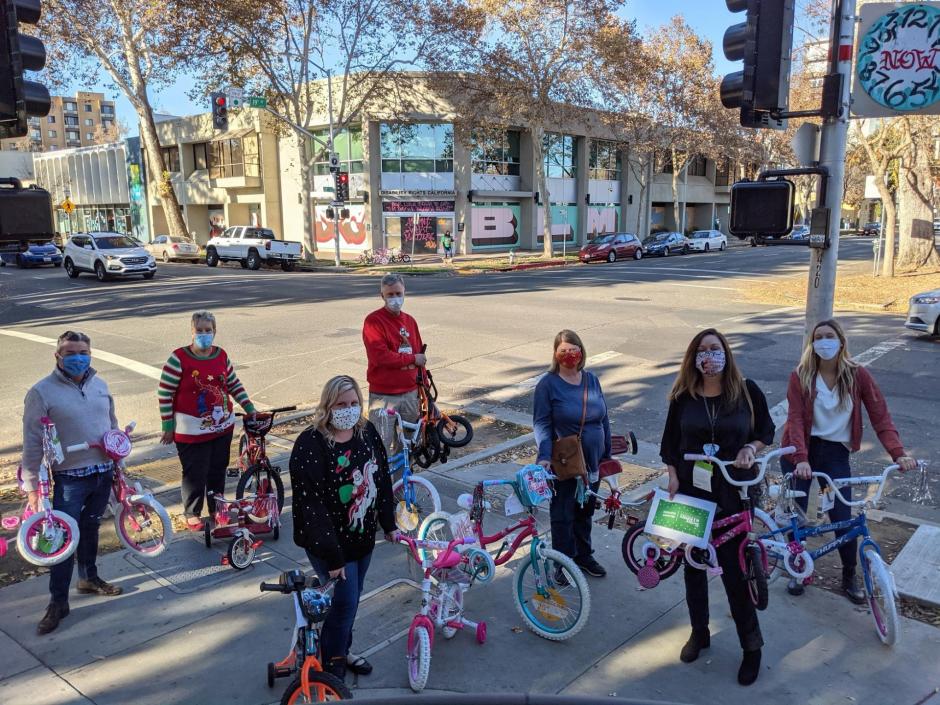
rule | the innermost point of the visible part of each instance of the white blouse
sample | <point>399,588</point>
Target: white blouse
<point>831,421</point>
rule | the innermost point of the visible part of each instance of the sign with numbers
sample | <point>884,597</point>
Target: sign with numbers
<point>897,64</point>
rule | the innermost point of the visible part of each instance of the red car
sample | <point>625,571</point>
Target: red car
<point>611,247</point>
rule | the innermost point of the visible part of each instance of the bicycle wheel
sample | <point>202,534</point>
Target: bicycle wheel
<point>550,609</point>
<point>144,527</point>
<point>755,576</point>
<point>47,542</point>
<point>260,480</point>
<point>434,527</point>
<point>242,453</point>
<point>879,584</point>
<point>241,552</point>
<point>631,548</point>
<point>324,688</point>
<point>455,431</point>
<point>419,658</point>
<point>764,526</point>
<point>410,514</point>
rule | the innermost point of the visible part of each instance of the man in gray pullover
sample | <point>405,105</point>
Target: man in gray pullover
<point>80,405</point>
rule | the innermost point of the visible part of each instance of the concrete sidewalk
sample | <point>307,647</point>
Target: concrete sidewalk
<point>190,631</point>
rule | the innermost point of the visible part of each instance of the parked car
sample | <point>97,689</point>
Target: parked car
<point>173,247</point>
<point>799,232</point>
<point>923,313</point>
<point>666,243</point>
<point>871,229</point>
<point>611,247</point>
<point>35,254</point>
<point>107,255</point>
<point>707,240</point>
<point>252,247</point>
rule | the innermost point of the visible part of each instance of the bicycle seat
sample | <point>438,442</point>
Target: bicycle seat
<point>446,560</point>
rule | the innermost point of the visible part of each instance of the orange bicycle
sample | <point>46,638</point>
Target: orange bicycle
<point>440,431</point>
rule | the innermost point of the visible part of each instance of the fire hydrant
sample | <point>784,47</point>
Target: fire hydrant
<point>512,257</point>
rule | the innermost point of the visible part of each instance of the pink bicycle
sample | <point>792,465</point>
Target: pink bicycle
<point>240,520</point>
<point>142,524</point>
<point>447,575</point>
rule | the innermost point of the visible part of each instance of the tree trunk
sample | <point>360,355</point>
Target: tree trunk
<point>890,216</point>
<point>916,247</point>
<point>168,200</point>
<point>675,190</point>
<point>541,179</point>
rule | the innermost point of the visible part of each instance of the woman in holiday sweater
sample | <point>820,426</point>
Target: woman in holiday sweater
<point>342,491</point>
<point>195,392</point>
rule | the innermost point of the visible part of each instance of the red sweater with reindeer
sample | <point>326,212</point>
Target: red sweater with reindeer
<point>391,345</point>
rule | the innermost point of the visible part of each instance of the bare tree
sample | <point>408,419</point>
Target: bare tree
<point>917,248</point>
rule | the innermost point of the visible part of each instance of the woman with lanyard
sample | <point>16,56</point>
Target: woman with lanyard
<point>824,423</point>
<point>715,411</point>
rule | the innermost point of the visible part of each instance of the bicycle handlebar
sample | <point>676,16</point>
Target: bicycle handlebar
<point>287,588</point>
<point>867,479</point>
<point>446,546</point>
<point>262,412</point>
<point>760,462</point>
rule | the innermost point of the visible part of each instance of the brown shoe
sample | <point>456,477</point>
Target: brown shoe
<point>97,586</point>
<point>55,613</point>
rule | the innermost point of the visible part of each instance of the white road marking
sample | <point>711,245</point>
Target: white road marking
<point>758,314</point>
<point>514,390</point>
<point>119,360</point>
<point>701,286</point>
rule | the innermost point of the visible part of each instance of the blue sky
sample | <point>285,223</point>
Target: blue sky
<point>709,17</point>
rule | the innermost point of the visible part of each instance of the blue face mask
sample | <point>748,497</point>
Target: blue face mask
<point>204,340</point>
<point>76,365</point>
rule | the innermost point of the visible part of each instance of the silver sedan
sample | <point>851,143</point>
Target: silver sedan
<point>171,247</point>
<point>923,313</point>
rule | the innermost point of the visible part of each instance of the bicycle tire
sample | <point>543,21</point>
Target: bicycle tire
<point>451,437</point>
<point>242,462</point>
<point>434,527</point>
<point>256,477</point>
<point>327,685</point>
<point>423,506</point>
<point>755,576</point>
<point>149,512</point>
<point>419,659</point>
<point>879,585</point>
<point>774,569</point>
<point>241,552</point>
<point>666,565</point>
<point>31,526</point>
<point>528,604</point>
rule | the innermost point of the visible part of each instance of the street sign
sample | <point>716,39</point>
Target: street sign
<point>257,101</point>
<point>236,97</point>
<point>67,206</point>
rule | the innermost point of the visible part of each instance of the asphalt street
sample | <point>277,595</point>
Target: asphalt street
<point>489,335</point>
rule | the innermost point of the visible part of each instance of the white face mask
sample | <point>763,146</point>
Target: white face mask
<point>394,303</point>
<point>344,419</point>
<point>827,348</point>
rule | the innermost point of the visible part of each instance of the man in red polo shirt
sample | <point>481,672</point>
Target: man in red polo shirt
<point>393,347</point>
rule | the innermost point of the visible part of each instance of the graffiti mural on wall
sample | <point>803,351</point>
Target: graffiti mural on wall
<point>564,223</point>
<point>424,233</point>
<point>495,225</point>
<point>352,230</point>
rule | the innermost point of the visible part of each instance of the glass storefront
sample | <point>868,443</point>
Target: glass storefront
<point>92,218</point>
<point>417,224</point>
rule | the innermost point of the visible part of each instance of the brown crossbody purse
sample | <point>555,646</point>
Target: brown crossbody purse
<point>567,454</point>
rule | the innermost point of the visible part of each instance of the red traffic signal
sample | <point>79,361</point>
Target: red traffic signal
<point>220,100</point>
<point>219,111</point>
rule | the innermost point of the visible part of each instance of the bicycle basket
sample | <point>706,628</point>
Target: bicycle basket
<point>315,604</point>
<point>258,425</point>
<point>531,486</point>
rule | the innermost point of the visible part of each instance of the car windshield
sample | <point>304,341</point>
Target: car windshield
<point>658,237</point>
<point>262,233</point>
<point>602,240</point>
<point>114,242</point>
<point>702,234</point>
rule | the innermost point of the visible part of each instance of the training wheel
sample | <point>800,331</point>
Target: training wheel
<point>648,577</point>
<point>481,633</point>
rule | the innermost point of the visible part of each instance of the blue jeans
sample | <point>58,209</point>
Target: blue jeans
<point>336,635</point>
<point>833,459</point>
<point>571,522</point>
<point>84,499</point>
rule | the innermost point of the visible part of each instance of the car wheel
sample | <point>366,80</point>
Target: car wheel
<point>254,260</point>
<point>665,252</point>
<point>70,268</point>
<point>287,266</point>
<point>722,247</point>
<point>165,257</point>
<point>707,247</point>
<point>243,263</point>
<point>20,263</point>
<point>638,253</point>
<point>212,257</point>
<point>685,249</point>
<point>100,272</point>
<point>612,256</point>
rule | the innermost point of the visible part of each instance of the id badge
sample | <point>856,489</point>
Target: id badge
<point>702,475</point>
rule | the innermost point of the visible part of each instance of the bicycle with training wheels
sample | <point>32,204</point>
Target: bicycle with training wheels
<point>612,501</point>
<point>49,536</point>
<point>241,521</point>
<point>312,603</point>
<point>652,559</point>
<point>415,497</point>
<point>447,576</point>
<point>140,521</point>
<point>549,590</point>
<point>877,578</point>
<point>256,474</point>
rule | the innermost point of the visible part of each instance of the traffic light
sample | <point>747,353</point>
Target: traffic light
<point>219,111</point>
<point>763,42</point>
<point>20,98</point>
<point>342,186</point>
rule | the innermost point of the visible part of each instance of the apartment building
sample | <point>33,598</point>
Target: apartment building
<point>82,120</point>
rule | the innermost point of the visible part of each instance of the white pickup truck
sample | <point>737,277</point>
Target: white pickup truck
<point>252,247</point>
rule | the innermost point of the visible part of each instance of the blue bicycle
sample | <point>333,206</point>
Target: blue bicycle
<point>415,497</point>
<point>787,545</point>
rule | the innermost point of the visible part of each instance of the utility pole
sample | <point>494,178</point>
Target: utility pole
<point>336,208</point>
<point>820,291</point>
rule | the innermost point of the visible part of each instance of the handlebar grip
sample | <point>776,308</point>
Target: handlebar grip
<point>275,587</point>
<point>279,409</point>
<point>77,447</point>
<point>469,539</point>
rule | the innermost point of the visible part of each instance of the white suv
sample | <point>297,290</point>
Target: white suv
<point>107,255</point>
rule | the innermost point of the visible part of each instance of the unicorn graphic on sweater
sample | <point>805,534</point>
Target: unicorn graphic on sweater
<point>360,495</point>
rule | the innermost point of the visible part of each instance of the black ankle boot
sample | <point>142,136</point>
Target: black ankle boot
<point>750,667</point>
<point>851,588</point>
<point>697,641</point>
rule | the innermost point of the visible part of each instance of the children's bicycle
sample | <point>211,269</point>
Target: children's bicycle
<point>140,521</point>
<point>550,591</point>
<point>256,474</point>
<point>312,602</point>
<point>879,582</point>
<point>441,431</point>
<point>653,560</point>
<point>48,536</point>
<point>447,575</point>
<point>241,521</point>
<point>415,497</point>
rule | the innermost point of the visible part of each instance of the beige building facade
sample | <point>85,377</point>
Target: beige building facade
<point>82,120</point>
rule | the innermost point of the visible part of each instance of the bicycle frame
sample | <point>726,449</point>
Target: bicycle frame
<point>526,527</point>
<point>256,449</point>
<point>401,461</point>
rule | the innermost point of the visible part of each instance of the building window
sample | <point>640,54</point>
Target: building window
<point>87,107</point>
<point>560,155</point>
<point>89,122</point>
<point>71,121</point>
<point>697,167</point>
<point>70,107</point>
<point>51,120</point>
<point>417,148</point>
<point>107,110</point>
<point>71,134</point>
<point>200,156</point>
<point>234,157</point>
<point>35,135</point>
<point>723,173</point>
<point>89,135</point>
<point>604,162</point>
<point>171,159</point>
<point>53,134</point>
<point>494,151</point>
<point>347,144</point>
<point>107,124</point>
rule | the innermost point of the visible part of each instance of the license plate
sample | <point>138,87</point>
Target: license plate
<point>46,259</point>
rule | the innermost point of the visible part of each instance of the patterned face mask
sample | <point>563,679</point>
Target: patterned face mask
<point>710,362</point>
<point>344,419</point>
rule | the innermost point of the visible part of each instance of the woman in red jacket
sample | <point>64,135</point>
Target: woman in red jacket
<point>824,423</point>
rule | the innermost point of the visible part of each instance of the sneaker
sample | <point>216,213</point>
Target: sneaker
<point>97,586</point>
<point>559,577</point>
<point>55,613</point>
<point>795,587</point>
<point>593,568</point>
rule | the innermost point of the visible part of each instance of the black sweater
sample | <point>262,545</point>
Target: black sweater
<point>341,492</point>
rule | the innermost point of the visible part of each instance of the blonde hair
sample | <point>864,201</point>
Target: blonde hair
<point>846,367</point>
<point>572,338</point>
<point>332,390</point>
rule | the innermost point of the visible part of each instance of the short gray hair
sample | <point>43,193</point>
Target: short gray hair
<point>203,316</point>
<point>392,278</point>
<point>71,336</point>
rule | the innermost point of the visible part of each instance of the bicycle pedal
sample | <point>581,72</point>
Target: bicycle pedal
<point>232,472</point>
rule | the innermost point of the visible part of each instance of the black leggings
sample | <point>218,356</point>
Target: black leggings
<point>204,466</point>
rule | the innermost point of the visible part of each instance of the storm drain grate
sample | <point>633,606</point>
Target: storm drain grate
<point>175,568</point>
